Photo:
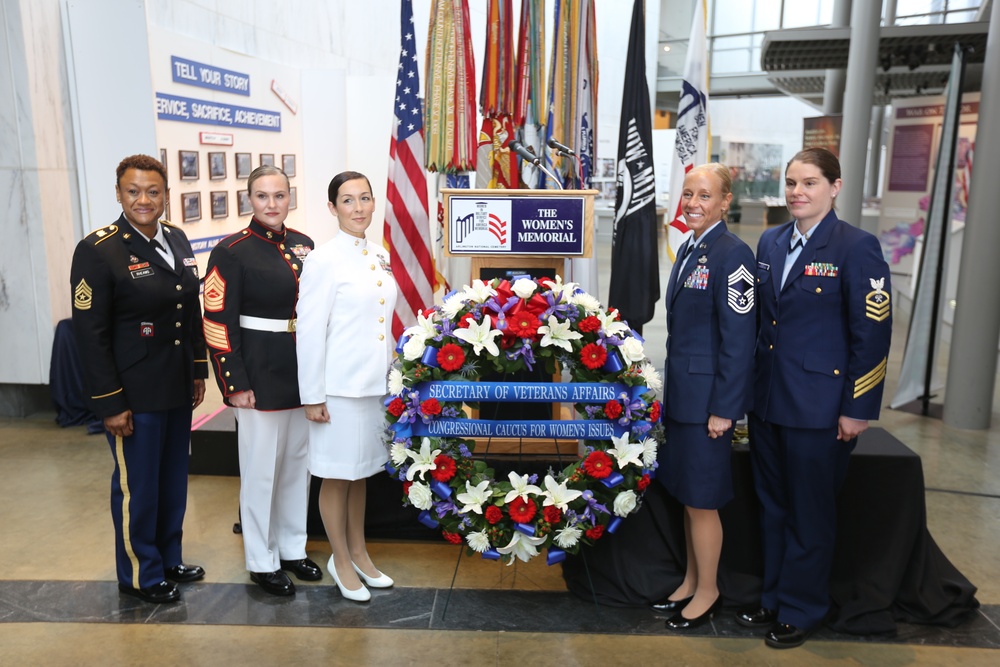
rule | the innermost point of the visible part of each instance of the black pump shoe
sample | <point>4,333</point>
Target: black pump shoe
<point>666,604</point>
<point>680,622</point>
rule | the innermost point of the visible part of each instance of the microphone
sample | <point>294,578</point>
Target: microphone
<point>526,154</point>
<point>555,145</point>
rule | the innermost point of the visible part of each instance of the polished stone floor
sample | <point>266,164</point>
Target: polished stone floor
<point>59,604</point>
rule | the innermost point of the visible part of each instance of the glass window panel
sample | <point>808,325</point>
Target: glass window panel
<point>732,16</point>
<point>767,15</point>
<point>729,43</point>
<point>806,13</point>
<point>755,60</point>
<point>729,62</point>
<point>961,17</point>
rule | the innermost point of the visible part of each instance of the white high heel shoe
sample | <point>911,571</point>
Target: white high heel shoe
<point>381,581</point>
<point>358,595</point>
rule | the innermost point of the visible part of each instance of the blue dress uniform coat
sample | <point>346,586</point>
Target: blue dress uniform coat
<point>711,331</point>
<point>822,350</point>
<point>138,327</point>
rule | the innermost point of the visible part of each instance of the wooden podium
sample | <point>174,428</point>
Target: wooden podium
<point>506,233</point>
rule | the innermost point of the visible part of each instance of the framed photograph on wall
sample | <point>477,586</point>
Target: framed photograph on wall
<point>166,209</point>
<point>191,203</point>
<point>293,198</point>
<point>189,165</point>
<point>163,157</point>
<point>216,165</point>
<point>243,165</point>
<point>243,203</point>
<point>220,203</point>
<point>288,165</point>
<point>267,158</point>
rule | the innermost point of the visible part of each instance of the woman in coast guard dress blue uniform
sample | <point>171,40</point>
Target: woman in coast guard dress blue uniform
<point>825,325</point>
<point>711,330</point>
<point>137,323</point>
<point>345,346</point>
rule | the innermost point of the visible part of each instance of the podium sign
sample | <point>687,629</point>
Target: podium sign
<point>509,222</point>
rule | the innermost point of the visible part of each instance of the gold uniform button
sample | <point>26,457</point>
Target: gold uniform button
<point>270,235</point>
<point>818,290</point>
<point>287,256</point>
<point>230,387</point>
<point>836,371</point>
<point>246,231</point>
<point>364,252</point>
<point>176,342</point>
<point>770,347</point>
<point>179,306</point>
<point>381,337</point>
<point>758,280</point>
<point>295,266</point>
<point>381,301</point>
<point>177,325</point>
<point>774,323</point>
<point>227,373</point>
<point>222,359</point>
<point>379,283</point>
<point>178,288</point>
<point>381,319</point>
<point>281,246</point>
<point>372,267</point>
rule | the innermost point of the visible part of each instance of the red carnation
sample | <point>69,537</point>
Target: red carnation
<point>597,464</point>
<point>450,357</point>
<point>642,483</point>
<point>396,407</point>
<point>430,407</point>
<point>521,510</point>
<point>595,532</point>
<point>593,356</point>
<point>406,488</point>
<point>445,469</point>
<point>454,538</point>
<point>524,324</point>
<point>613,409</point>
<point>507,342</point>
<point>493,514</point>
<point>467,319</point>
<point>654,411</point>
<point>589,324</point>
<point>552,514</point>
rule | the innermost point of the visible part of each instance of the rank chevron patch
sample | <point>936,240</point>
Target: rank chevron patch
<point>215,291</point>
<point>83,295</point>
<point>741,288</point>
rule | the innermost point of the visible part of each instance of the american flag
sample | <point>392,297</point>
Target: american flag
<point>406,231</point>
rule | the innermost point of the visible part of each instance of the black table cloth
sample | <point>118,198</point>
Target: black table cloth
<point>887,567</point>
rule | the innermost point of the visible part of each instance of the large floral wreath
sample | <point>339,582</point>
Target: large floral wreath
<point>502,327</point>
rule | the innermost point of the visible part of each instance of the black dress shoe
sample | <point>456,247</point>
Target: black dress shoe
<point>304,569</point>
<point>275,583</point>
<point>157,593</point>
<point>666,604</point>
<point>757,618</point>
<point>183,574</point>
<point>786,636</point>
<point>679,622</point>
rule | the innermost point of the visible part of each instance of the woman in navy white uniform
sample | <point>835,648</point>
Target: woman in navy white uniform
<point>137,323</point>
<point>711,330</point>
<point>825,326</point>
<point>251,291</point>
<point>345,347</point>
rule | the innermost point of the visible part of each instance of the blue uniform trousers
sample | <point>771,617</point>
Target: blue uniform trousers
<point>798,473</point>
<point>149,494</point>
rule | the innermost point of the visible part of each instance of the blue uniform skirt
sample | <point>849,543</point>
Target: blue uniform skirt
<point>694,468</point>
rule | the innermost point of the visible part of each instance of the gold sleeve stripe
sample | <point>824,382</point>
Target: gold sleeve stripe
<point>201,361</point>
<point>217,336</point>
<point>116,391</point>
<point>215,291</point>
<point>870,380</point>
<point>83,295</point>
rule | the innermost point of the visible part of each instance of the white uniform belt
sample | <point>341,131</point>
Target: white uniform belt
<point>267,324</point>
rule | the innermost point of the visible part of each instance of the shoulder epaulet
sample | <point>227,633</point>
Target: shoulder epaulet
<point>102,234</point>
<point>230,241</point>
<point>167,223</point>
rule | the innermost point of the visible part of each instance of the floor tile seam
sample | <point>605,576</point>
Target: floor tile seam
<point>957,492</point>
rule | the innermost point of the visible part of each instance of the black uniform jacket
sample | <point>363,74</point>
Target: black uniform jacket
<point>255,272</point>
<point>137,320</point>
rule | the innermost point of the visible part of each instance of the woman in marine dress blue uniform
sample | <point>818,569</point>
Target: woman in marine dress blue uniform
<point>711,330</point>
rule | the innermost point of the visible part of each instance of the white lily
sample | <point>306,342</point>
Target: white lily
<point>395,381</point>
<point>475,496</point>
<point>626,452</point>
<point>423,329</point>
<point>522,546</point>
<point>479,292</point>
<point>559,289</point>
<point>398,453</point>
<point>478,541</point>
<point>648,451</point>
<point>609,324</point>
<point>423,460</point>
<point>481,336</point>
<point>651,377</point>
<point>558,333</point>
<point>521,487</point>
<point>524,287</point>
<point>566,538</point>
<point>558,495</point>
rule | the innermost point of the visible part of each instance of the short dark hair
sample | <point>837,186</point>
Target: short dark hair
<point>340,179</point>
<point>824,160</point>
<point>142,163</point>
